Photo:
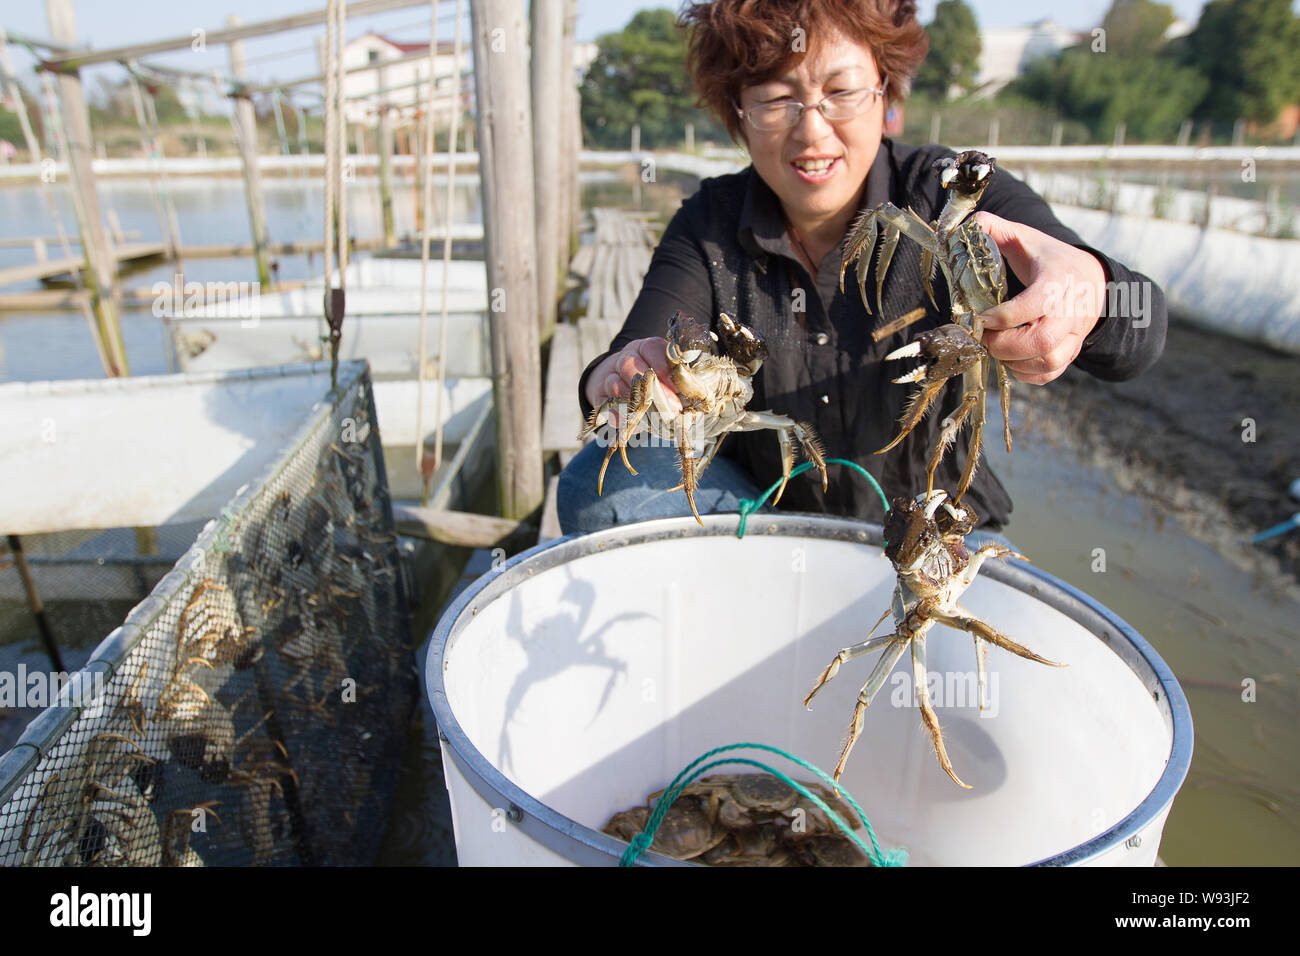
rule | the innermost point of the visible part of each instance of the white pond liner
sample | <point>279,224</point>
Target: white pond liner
<point>586,673</point>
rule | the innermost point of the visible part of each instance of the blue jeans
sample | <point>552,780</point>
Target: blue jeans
<point>644,496</point>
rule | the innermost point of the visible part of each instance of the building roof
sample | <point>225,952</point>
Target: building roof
<point>403,47</point>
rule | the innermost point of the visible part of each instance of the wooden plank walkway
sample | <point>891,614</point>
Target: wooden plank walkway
<point>612,266</point>
<point>49,268</point>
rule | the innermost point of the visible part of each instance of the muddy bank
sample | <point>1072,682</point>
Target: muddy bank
<point>1175,436</point>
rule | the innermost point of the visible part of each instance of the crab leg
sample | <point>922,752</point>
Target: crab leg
<point>847,654</point>
<point>964,620</point>
<point>887,247</point>
<point>1004,387</point>
<point>928,716</point>
<point>641,398</point>
<point>928,259</point>
<point>893,651</point>
<point>921,401</point>
<point>688,471</point>
<point>974,393</point>
<point>946,435</point>
<point>983,554</point>
<point>862,239</point>
<point>784,424</point>
<point>714,444</point>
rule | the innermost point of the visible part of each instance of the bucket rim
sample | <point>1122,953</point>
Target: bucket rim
<point>586,846</point>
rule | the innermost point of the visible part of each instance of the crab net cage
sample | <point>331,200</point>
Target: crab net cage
<point>253,709</point>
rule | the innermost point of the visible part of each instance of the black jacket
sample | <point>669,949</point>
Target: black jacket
<point>726,250</point>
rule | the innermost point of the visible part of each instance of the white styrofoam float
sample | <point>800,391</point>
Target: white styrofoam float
<point>586,673</point>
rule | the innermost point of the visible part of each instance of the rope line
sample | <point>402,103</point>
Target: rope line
<point>1278,529</point>
<point>642,841</point>
<point>446,221</point>
<point>749,505</point>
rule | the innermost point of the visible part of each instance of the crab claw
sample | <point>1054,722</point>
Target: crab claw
<point>967,173</point>
<point>946,351</point>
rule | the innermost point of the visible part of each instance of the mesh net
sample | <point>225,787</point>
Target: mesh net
<point>254,708</point>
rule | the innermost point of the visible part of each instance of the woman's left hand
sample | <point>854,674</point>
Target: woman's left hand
<point>1037,334</point>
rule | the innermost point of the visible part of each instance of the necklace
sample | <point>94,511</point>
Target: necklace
<point>808,260</point>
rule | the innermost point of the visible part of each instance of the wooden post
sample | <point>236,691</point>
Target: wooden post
<point>246,124</point>
<point>547,22</point>
<point>690,137</point>
<point>936,126</point>
<point>504,135</point>
<point>636,137</point>
<point>101,270</point>
<point>1058,131</point>
<point>385,133</point>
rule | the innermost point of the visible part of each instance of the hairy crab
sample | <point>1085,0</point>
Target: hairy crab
<point>711,372</point>
<point>976,277</point>
<point>746,819</point>
<point>926,544</point>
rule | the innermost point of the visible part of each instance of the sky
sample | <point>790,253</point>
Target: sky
<point>112,23</point>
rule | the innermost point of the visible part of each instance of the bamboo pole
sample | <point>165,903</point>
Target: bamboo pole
<point>246,125</point>
<point>101,269</point>
<point>571,137</point>
<point>385,162</point>
<point>421,169</point>
<point>546,63</point>
<point>34,602</point>
<point>504,133</point>
<point>14,92</point>
<point>76,57</point>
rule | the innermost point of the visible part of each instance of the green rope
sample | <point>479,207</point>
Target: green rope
<point>642,841</point>
<point>748,506</point>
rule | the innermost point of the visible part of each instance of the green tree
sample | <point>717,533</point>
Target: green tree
<point>168,105</point>
<point>1136,79</point>
<point>11,127</point>
<point>1247,51</point>
<point>954,54</point>
<point>1136,26</point>
<point>639,76</point>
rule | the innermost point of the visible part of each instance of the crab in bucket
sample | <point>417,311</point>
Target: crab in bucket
<point>925,542</point>
<point>745,819</point>
<point>976,277</point>
<point>712,373</point>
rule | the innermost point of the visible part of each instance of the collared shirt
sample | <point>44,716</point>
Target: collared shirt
<point>727,250</point>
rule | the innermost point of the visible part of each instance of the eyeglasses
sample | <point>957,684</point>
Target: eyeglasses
<point>837,107</point>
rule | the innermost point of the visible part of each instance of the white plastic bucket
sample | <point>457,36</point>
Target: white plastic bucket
<point>587,673</point>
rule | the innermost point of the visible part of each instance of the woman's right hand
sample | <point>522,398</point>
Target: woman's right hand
<point>612,378</point>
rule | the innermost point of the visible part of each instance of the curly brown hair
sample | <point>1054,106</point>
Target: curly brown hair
<point>732,44</point>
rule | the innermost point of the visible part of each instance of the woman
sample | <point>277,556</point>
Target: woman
<point>805,85</point>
